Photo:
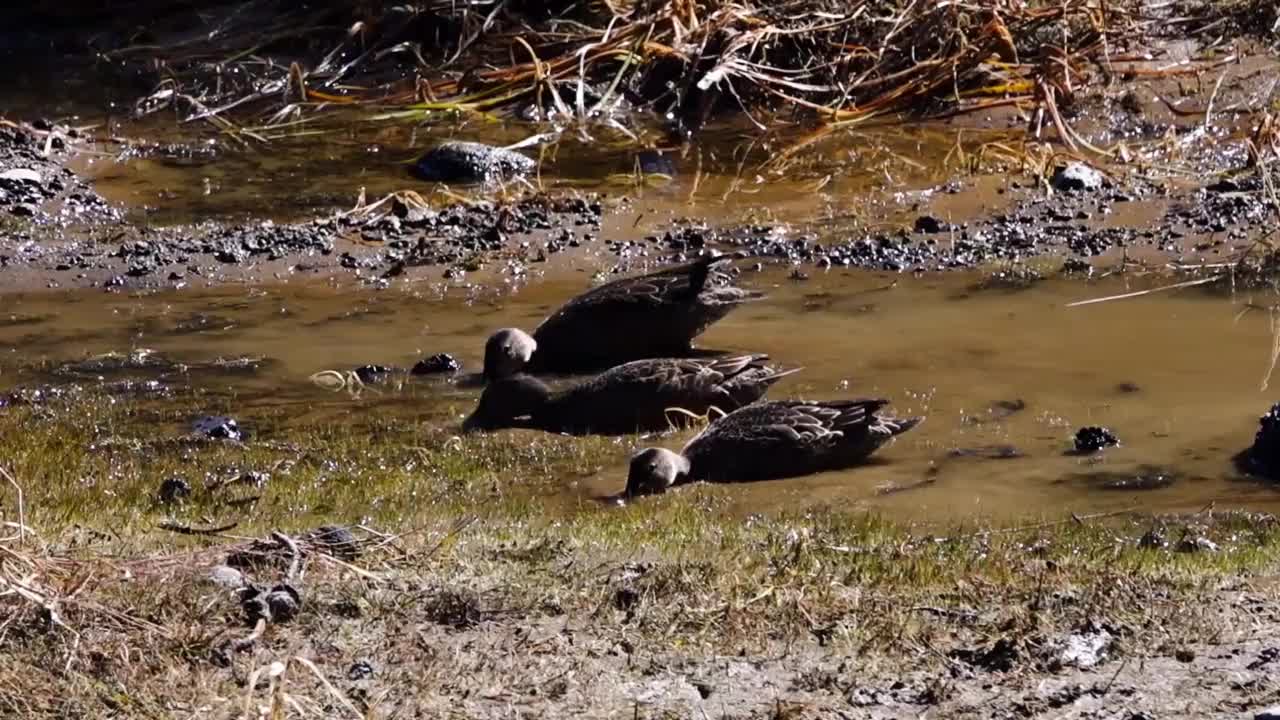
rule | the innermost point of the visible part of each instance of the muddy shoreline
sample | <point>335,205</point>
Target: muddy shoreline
<point>59,233</point>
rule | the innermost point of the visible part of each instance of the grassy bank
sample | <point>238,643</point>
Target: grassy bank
<point>473,590</point>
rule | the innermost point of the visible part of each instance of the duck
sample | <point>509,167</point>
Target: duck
<point>771,441</point>
<point>647,316</point>
<point>632,397</point>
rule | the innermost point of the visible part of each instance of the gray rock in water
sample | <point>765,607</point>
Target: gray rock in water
<point>470,162</point>
<point>1075,177</point>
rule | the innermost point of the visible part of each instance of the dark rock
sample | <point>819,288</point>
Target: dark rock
<point>1076,176</point>
<point>470,162</point>
<point>438,363</point>
<point>360,670</point>
<point>1091,439</point>
<point>23,210</point>
<point>1153,539</point>
<point>626,599</point>
<point>1128,388</point>
<point>217,427</point>
<point>1266,657</point>
<point>1183,655</point>
<point>174,489</point>
<point>929,225</point>
<point>1076,265</point>
<point>334,540</point>
<point>372,374</point>
<point>656,162</point>
<point>1000,657</point>
<point>280,604</point>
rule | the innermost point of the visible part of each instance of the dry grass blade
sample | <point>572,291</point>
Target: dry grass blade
<point>1140,293</point>
<point>20,503</point>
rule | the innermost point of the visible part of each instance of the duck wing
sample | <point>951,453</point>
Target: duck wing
<point>680,283</point>
<point>646,316</point>
<point>639,395</point>
<point>787,438</point>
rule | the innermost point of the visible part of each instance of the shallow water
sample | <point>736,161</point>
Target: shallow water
<point>1177,376</point>
<point>731,172</point>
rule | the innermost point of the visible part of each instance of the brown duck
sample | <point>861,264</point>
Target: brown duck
<point>648,316</point>
<point>631,397</point>
<point>769,441</point>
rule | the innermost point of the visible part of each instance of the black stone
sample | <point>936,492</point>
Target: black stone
<point>218,427</point>
<point>438,363</point>
<point>1093,438</point>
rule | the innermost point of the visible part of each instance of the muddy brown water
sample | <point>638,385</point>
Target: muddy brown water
<point>732,171</point>
<point>1177,376</point>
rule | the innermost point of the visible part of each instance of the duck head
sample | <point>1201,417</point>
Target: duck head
<point>506,352</point>
<point>509,402</point>
<point>653,470</point>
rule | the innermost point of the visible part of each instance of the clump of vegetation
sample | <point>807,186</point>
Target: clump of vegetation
<point>685,59</point>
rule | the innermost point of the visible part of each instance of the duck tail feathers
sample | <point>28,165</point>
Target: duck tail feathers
<point>897,426</point>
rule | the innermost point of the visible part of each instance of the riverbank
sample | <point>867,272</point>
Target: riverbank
<point>456,594</point>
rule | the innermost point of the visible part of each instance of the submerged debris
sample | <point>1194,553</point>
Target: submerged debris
<point>1145,477</point>
<point>986,452</point>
